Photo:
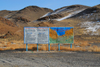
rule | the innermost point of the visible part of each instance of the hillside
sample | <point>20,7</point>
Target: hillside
<point>6,21</point>
<point>29,13</point>
<point>90,14</point>
<point>98,6</point>
<point>64,12</point>
<point>9,30</point>
<point>6,13</point>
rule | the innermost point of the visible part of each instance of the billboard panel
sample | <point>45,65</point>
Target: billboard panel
<point>34,35</point>
<point>61,35</point>
<point>30,35</point>
<point>43,35</point>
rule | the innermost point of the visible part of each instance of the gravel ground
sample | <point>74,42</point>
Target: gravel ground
<point>96,44</point>
<point>49,59</point>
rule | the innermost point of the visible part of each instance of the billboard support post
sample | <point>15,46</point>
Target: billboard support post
<point>49,47</point>
<point>26,47</point>
<point>70,45</point>
<point>37,47</point>
<point>59,47</point>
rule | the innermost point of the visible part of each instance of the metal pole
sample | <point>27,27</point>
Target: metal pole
<point>37,47</point>
<point>59,47</point>
<point>70,45</point>
<point>26,47</point>
<point>49,47</point>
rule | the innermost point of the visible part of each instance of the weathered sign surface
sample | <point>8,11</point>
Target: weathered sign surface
<point>43,35</point>
<point>33,35</point>
<point>30,35</point>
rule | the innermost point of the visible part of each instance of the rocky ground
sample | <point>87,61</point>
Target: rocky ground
<point>49,59</point>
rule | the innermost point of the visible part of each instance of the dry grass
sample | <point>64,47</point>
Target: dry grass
<point>94,49</point>
<point>81,43</point>
<point>45,48</point>
<point>83,46</point>
<point>73,49</point>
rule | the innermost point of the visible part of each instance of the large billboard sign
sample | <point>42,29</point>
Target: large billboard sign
<point>46,35</point>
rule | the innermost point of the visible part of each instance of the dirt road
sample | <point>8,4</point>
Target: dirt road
<point>49,59</point>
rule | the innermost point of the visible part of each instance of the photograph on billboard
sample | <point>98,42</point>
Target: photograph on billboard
<point>61,35</point>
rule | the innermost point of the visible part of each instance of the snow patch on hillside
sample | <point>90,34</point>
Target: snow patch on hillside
<point>56,12</point>
<point>70,15</point>
<point>47,14</point>
<point>92,27</point>
<point>64,17</point>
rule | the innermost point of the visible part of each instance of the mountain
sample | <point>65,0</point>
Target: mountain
<point>29,14</point>
<point>25,15</point>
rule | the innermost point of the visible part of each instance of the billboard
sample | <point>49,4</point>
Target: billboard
<point>46,35</point>
<point>61,35</point>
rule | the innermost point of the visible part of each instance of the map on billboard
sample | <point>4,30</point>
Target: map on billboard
<point>61,35</point>
<point>30,35</point>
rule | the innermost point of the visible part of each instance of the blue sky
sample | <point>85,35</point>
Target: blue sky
<point>52,4</point>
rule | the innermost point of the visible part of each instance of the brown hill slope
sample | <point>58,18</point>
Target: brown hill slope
<point>6,14</point>
<point>3,20</point>
<point>30,13</point>
<point>98,6</point>
<point>8,29</point>
<point>90,14</point>
<point>62,12</point>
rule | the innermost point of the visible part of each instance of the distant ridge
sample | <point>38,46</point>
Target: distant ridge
<point>63,12</point>
<point>30,13</point>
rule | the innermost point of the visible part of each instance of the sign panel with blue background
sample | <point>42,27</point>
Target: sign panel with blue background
<point>61,35</point>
